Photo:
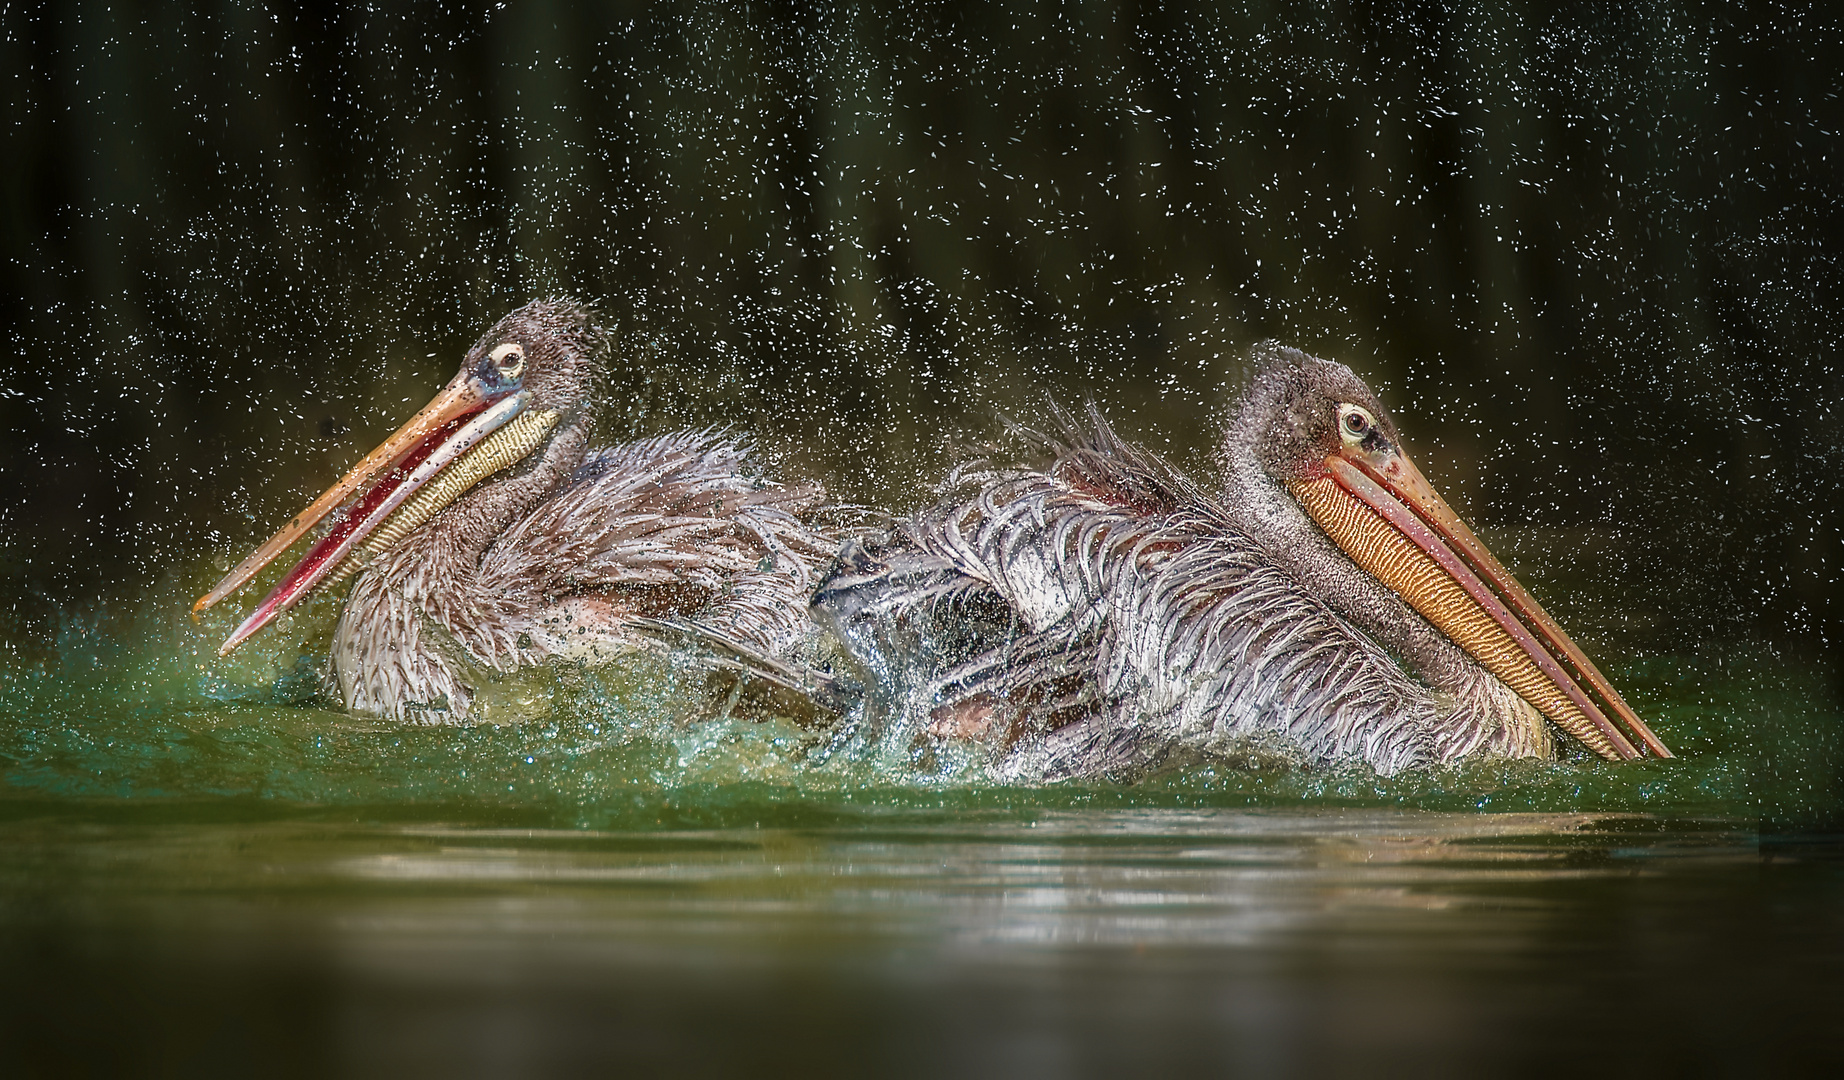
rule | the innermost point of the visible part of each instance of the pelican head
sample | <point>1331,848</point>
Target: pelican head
<point>1314,428</point>
<point>532,371</point>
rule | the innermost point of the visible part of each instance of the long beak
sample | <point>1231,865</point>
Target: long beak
<point>454,421</point>
<point>1412,541</point>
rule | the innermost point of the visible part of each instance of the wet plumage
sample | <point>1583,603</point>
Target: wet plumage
<point>1101,614</point>
<point>673,527</point>
<point>568,553</point>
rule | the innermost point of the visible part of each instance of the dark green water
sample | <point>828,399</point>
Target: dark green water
<point>952,939</point>
<point>202,873</point>
<point>133,705</point>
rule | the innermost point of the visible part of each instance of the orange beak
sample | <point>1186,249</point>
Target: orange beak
<point>1378,508</point>
<point>455,420</point>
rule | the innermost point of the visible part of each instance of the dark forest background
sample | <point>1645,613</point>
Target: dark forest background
<point>1589,254</point>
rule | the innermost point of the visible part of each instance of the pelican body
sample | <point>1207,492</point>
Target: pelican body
<point>486,535</point>
<point>1104,615</point>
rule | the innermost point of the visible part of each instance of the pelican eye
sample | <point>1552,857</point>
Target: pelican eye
<point>510,360</point>
<point>1355,421</point>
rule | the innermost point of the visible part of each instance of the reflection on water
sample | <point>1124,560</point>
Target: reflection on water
<point>199,870</point>
<point>1040,943</point>
<point>1150,878</point>
<point>229,875</point>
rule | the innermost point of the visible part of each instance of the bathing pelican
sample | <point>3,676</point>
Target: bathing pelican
<point>486,534</point>
<point>1104,614</point>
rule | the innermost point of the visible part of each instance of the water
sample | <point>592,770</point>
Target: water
<point>900,940</point>
<point>133,704</point>
<point>229,874</point>
<point>1589,259</point>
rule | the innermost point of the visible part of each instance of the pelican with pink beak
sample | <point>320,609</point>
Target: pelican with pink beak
<point>1099,613</point>
<point>486,534</point>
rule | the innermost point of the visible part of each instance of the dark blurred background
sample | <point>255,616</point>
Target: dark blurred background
<point>1589,254</point>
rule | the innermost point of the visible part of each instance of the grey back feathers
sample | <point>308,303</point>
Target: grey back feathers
<point>1097,615</point>
<point>1102,615</point>
<point>578,554</point>
<point>675,526</point>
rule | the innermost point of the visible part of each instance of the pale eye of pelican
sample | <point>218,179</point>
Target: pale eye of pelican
<point>1355,423</point>
<point>510,360</point>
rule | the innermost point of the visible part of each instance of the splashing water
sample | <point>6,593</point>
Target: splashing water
<point>135,704</point>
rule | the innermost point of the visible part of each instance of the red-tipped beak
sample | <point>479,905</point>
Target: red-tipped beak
<point>452,423</point>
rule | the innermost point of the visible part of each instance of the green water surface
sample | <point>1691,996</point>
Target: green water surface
<point>204,870</point>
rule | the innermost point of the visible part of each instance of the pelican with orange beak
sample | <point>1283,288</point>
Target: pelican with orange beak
<point>485,535</point>
<point>1103,615</point>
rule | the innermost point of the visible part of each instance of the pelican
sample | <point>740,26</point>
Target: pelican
<point>486,535</point>
<point>1104,614</point>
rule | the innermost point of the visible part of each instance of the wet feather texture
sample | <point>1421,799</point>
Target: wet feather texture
<point>1104,615</point>
<point>569,553</point>
<point>668,526</point>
